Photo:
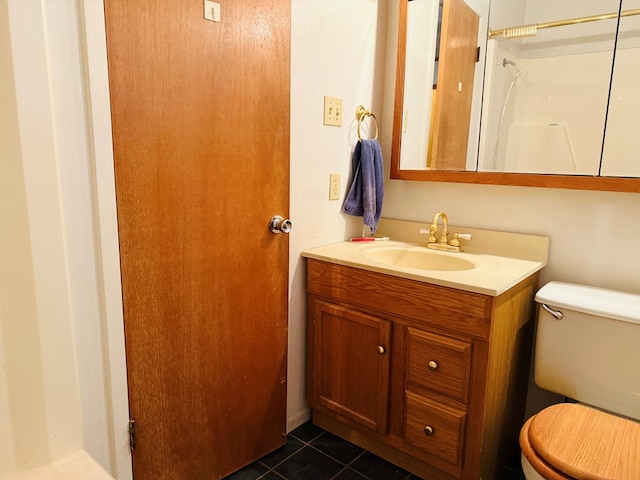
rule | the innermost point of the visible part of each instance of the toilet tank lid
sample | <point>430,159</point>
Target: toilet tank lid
<point>591,300</point>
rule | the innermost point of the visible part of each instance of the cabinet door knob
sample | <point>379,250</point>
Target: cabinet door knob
<point>381,350</point>
<point>428,430</point>
<point>433,365</point>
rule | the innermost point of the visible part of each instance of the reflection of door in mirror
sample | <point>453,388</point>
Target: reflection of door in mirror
<point>437,100</point>
<point>547,86</point>
<point>454,90</point>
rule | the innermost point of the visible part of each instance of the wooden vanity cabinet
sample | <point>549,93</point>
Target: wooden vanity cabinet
<point>347,341</point>
<point>431,378</point>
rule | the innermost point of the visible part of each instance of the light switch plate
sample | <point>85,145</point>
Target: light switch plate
<point>332,111</point>
<point>211,11</point>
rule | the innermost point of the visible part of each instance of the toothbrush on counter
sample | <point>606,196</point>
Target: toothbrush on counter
<point>368,239</point>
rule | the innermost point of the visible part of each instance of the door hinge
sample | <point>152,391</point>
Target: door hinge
<point>478,55</point>
<point>132,434</point>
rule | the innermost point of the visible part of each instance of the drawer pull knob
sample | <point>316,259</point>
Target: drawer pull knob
<point>433,365</point>
<point>428,431</point>
<point>381,350</point>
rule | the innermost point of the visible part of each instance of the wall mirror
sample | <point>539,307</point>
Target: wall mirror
<point>518,92</point>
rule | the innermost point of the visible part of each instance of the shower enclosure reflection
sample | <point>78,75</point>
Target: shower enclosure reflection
<point>555,98</point>
<point>548,106</point>
<point>622,141</point>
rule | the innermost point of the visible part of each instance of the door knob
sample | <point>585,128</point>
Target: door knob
<point>280,225</point>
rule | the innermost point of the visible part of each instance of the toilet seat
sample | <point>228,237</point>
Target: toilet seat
<point>539,465</point>
<point>572,441</point>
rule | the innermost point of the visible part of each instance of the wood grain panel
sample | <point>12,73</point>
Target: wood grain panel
<point>489,341</point>
<point>573,182</point>
<point>508,367</point>
<point>200,115</point>
<point>351,374</point>
<point>601,446</point>
<point>538,464</point>
<point>454,93</point>
<point>447,424</point>
<point>452,359</point>
<point>454,310</point>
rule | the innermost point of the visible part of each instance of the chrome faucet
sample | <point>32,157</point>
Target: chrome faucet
<point>443,243</point>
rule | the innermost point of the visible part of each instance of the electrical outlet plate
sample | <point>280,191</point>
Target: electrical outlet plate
<point>332,111</point>
<point>334,186</point>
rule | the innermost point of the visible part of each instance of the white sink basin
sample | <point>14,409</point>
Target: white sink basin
<point>490,264</point>
<point>420,258</point>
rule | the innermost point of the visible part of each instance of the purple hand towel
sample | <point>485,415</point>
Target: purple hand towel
<point>367,188</point>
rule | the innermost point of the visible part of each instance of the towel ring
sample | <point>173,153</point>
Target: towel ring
<point>361,114</point>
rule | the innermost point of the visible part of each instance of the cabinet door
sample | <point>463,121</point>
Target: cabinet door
<point>351,364</point>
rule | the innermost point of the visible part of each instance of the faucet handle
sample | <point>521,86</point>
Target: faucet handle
<point>455,242</point>
<point>431,232</point>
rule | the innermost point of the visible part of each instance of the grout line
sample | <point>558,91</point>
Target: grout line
<point>271,470</point>
<point>283,460</point>
<point>357,457</point>
<point>346,466</point>
<point>337,474</point>
<point>305,442</point>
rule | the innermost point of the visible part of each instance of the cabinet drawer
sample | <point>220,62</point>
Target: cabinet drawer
<point>436,429</point>
<point>441,364</point>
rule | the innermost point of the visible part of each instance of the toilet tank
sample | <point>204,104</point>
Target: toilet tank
<point>592,353</point>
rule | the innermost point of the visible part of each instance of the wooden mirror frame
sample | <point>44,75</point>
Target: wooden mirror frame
<point>577,182</point>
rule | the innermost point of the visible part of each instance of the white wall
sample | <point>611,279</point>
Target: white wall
<point>338,49</point>
<point>570,39</point>
<point>422,28</point>
<point>55,389</point>
<point>17,302</point>
<point>39,392</point>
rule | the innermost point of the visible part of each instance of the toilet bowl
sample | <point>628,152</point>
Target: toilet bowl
<point>587,348</point>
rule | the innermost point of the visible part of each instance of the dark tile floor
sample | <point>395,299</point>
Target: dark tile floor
<point>312,453</point>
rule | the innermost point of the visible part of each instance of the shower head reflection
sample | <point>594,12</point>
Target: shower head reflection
<point>520,72</point>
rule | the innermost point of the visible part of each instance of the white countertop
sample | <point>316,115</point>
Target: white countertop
<point>493,274</point>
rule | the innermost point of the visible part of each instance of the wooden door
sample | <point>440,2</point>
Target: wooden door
<point>456,69</point>
<point>200,114</point>
<point>351,364</point>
